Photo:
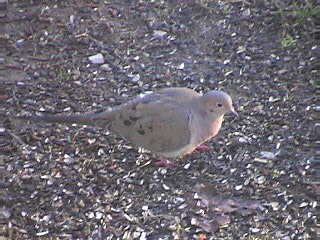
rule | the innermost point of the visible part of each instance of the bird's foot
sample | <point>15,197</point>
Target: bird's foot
<point>203,147</point>
<point>164,162</point>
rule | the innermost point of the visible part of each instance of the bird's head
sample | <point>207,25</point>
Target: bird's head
<point>217,103</point>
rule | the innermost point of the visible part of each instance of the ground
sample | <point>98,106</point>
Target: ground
<point>78,182</point>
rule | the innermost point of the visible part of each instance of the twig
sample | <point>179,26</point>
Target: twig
<point>38,58</point>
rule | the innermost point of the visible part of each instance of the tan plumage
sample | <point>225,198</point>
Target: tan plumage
<point>171,122</point>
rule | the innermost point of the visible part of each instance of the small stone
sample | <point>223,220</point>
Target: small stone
<point>129,218</point>
<point>72,19</point>
<point>159,33</point>
<point>239,187</point>
<point>24,213</point>
<point>275,205</point>
<point>10,167</point>
<point>181,66</point>
<point>91,215</point>
<point>143,236</point>
<point>246,13</point>
<point>96,59</point>
<point>136,78</point>
<point>179,199</point>
<point>194,221</point>
<point>5,213</point>
<point>314,204</point>
<point>117,210</point>
<point>261,179</point>
<point>68,159</point>
<point>99,215</point>
<point>255,230</point>
<point>42,233</point>
<point>270,138</point>
<point>172,228</point>
<point>187,166</point>
<point>196,196</point>
<point>163,171</point>
<point>241,49</point>
<point>268,155</point>
<point>182,206</point>
<point>260,160</point>
<point>304,204</point>
<point>136,234</point>
<point>105,67</point>
<point>49,182</point>
<point>243,140</point>
<point>20,42</point>
<point>46,218</point>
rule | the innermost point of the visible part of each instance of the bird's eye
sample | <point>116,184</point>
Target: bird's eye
<point>219,105</point>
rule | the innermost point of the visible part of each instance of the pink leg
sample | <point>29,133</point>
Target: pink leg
<point>203,147</point>
<point>164,162</point>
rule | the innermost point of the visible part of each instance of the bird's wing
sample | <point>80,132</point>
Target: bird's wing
<point>156,122</point>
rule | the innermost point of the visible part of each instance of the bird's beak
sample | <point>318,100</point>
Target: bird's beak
<point>232,112</point>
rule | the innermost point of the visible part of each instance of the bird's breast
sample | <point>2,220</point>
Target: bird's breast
<point>203,129</point>
<point>215,127</point>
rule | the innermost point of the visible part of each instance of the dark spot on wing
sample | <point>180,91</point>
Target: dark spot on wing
<point>212,111</point>
<point>133,118</point>
<point>141,132</point>
<point>127,122</point>
<point>150,128</point>
<point>99,111</point>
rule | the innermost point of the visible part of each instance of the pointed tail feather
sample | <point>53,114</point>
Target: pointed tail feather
<point>85,119</point>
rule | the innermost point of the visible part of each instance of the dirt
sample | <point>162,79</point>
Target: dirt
<point>78,182</point>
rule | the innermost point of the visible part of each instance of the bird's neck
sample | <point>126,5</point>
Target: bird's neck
<point>216,125</point>
<point>203,128</point>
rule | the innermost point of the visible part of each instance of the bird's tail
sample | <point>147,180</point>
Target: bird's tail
<point>85,119</point>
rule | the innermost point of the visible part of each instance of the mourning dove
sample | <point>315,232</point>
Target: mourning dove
<point>171,122</point>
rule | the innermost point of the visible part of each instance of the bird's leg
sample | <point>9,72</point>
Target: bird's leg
<point>203,147</point>
<point>164,162</point>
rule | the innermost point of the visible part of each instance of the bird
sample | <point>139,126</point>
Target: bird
<point>171,122</point>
